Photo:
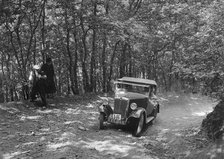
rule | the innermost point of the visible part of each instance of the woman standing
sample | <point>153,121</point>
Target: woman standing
<point>48,69</point>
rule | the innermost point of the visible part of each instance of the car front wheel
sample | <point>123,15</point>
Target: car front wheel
<point>139,126</point>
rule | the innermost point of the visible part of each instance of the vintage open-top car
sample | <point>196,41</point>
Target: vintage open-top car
<point>135,104</point>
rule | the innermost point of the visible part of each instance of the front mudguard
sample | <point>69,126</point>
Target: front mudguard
<point>106,110</point>
<point>137,113</point>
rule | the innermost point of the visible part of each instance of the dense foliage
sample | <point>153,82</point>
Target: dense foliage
<point>213,124</point>
<point>179,43</point>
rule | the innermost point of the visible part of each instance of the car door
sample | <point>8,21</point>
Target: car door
<point>150,106</point>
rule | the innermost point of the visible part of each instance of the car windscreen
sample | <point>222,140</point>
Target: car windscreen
<point>132,88</point>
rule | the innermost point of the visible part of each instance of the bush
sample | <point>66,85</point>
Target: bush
<point>212,125</point>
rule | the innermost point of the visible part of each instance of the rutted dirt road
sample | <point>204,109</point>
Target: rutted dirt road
<point>68,129</point>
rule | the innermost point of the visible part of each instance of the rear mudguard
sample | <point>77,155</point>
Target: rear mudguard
<point>106,109</point>
<point>137,113</point>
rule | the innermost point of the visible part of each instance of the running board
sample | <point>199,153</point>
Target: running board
<point>149,119</point>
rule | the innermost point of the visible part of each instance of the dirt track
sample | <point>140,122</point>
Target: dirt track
<point>68,129</point>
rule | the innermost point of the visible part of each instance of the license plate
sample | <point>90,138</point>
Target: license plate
<point>116,116</point>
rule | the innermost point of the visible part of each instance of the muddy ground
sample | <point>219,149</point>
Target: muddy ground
<point>68,129</point>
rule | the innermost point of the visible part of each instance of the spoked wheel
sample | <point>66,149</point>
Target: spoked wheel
<point>101,120</point>
<point>139,127</point>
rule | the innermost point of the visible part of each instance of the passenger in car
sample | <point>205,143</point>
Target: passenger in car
<point>152,93</point>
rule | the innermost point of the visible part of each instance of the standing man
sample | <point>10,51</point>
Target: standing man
<point>48,69</point>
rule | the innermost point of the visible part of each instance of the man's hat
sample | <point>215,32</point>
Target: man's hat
<point>36,67</point>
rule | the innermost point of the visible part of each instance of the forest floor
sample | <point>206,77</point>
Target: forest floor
<point>69,129</point>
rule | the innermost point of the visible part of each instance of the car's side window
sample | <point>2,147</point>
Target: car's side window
<point>152,91</point>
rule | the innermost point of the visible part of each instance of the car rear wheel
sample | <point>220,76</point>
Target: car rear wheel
<point>139,126</point>
<point>101,120</point>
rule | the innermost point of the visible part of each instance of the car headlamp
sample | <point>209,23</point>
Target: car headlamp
<point>133,106</point>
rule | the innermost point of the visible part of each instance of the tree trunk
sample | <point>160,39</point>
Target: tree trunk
<point>34,51</point>
<point>43,33</point>
<point>1,80</point>
<point>123,60</point>
<point>93,61</point>
<point>60,81</point>
<point>106,6</point>
<point>163,77</point>
<point>68,85</point>
<point>11,90</point>
<point>130,62</point>
<point>104,62</point>
<point>70,57</point>
<point>75,68</point>
<point>84,51</point>
<point>7,93</point>
<point>111,66</point>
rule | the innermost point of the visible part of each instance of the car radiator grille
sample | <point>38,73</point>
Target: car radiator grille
<point>120,106</point>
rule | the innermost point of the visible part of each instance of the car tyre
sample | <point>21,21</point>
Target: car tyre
<point>101,120</point>
<point>139,126</point>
